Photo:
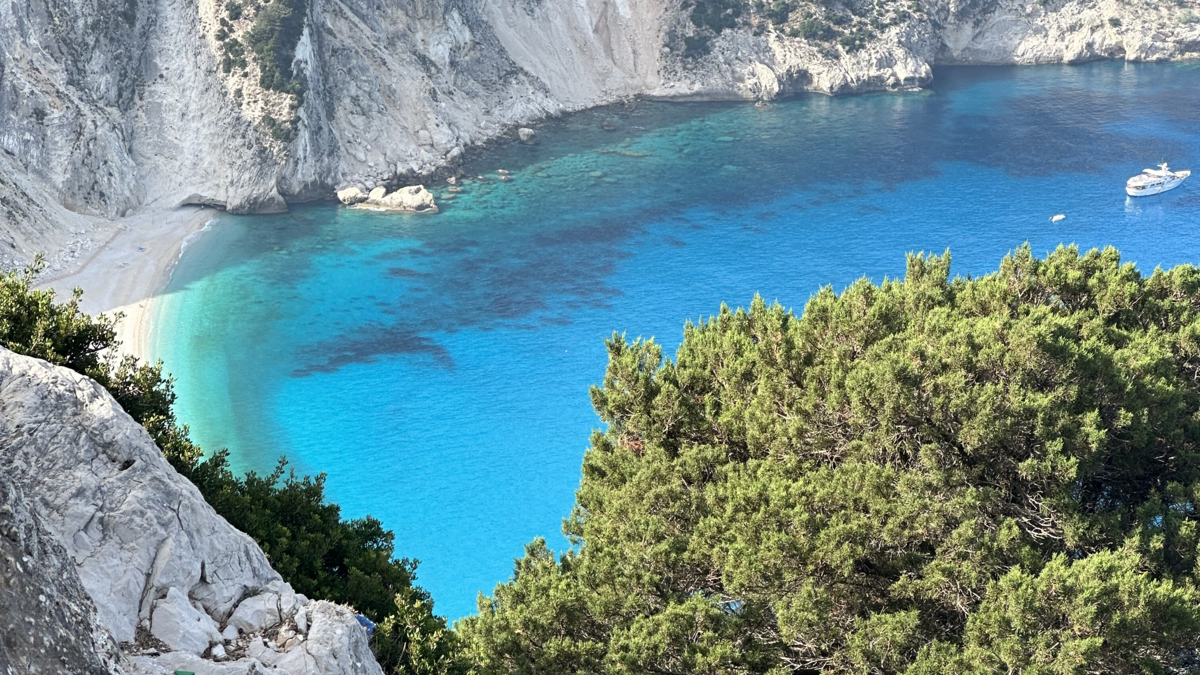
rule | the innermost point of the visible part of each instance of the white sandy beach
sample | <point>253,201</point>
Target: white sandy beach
<point>130,269</point>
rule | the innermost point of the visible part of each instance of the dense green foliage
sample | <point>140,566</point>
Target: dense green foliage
<point>274,37</point>
<point>716,15</point>
<point>281,131</point>
<point>233,55</point>
<point>932,475</point>
<point>308,543</point>
<point>815,30</point>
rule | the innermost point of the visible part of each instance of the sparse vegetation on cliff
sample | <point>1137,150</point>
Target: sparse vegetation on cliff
<point>263,35</point>
<point>850,25</point>
<point>274,37</point>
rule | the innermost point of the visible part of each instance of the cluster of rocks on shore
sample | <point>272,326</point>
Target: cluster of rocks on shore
<point>411,199</point>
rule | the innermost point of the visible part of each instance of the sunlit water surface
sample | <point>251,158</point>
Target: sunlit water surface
<point>437,367</point>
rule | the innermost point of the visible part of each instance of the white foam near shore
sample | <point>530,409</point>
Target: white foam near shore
<point>128,272</point>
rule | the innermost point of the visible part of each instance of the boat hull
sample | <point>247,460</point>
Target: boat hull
<point>1154,189</point>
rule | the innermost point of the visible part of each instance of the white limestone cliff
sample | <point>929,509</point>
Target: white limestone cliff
<point>48,621</point>
<point>161,567</point>
<point>109,107</point>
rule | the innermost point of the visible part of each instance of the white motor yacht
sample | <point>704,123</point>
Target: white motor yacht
<point>1154,181</point>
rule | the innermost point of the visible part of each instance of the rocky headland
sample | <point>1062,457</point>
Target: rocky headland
<point>111,562</point>
<point>110,109</point>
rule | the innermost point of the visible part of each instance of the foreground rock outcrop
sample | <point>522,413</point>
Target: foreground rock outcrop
<point>109,108</point>
<point>170,580</point>
<point>48,622</point>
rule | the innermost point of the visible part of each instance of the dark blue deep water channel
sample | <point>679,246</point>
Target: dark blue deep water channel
<point>437,367</point>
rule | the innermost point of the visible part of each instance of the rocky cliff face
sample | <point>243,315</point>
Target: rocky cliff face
<point>48,621</point>
<point>113,106</point>
<point>102,542</point>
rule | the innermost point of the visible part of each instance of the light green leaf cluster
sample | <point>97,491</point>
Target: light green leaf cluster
<point>928,475</point>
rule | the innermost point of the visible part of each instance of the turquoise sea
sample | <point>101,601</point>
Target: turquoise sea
<point>437,367</point>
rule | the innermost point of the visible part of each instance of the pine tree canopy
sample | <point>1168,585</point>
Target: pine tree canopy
<point>930,475</point>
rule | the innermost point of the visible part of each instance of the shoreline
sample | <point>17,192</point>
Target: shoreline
<point>127,273</point>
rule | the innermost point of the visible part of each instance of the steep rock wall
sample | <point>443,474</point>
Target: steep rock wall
<point>48,621</point>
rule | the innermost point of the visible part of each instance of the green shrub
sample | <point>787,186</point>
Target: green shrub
<point>696,45</point>
<point>816,30</point>
<point>284,132</point>
<point>854,41</point>
<point>932,475</point>
<point>1114,22</point>
<point>716,15</point>
<point>234,10</point>
<point>234,55</point>
<point>837,18</point>
<point>780,12</point>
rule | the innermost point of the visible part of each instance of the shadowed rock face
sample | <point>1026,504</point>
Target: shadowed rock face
<point>48,623</point>
<point>116,543</point>
<point>111,106</point>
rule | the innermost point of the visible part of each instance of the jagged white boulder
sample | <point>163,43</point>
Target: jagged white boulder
<point>256,613</point>
<point>301,620</point>
<point>172,662</point>
<point>412,198</point>
<point>147,549</point>
<point>335,644</point>
<point>351,195</point>
<point>527,135</point>
<point>181,626</point>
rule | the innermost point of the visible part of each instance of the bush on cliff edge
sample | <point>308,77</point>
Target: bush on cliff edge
<point>304,537</point>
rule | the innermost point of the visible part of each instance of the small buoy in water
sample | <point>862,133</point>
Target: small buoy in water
<point>1055,219</point>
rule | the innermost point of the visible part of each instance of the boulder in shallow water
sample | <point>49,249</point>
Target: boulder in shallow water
<point>351,195</point>
<point>414,198</point>
<point>527,135</point>
<point>376,194</point>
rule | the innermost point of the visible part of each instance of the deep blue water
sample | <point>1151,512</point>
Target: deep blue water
<point>437,367</point>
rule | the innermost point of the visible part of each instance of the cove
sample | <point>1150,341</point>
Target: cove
<point>437,367</point>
